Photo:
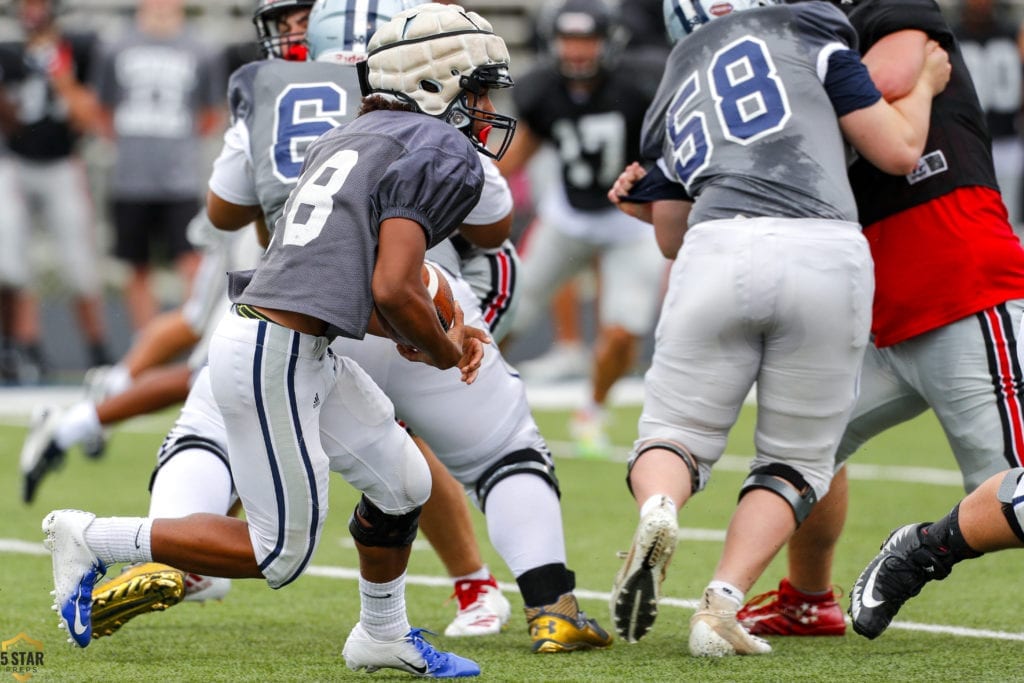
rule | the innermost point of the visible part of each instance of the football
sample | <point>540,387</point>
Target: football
<point>441,292</point>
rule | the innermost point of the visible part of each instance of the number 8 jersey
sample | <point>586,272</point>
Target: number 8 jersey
<point>745,116</point>
<point>277,109</point>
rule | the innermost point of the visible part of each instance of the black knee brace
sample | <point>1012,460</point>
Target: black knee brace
<point>794,489</point>
<point>678,449</point>
<point>526,461</point>
<point>371,526</point>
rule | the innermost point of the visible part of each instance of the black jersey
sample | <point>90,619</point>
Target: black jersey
<point>958,152</point>
<point>45,132</point>
<point>595,136</point>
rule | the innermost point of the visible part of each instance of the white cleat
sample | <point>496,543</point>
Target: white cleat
<point>483,610</point>
<point>76,569</point>
<point>199,588</point>
<point>410,653</point>
<point>637,587</point>
<point>715,631</point>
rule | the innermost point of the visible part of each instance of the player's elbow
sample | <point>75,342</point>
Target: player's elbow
<point>899,160</point>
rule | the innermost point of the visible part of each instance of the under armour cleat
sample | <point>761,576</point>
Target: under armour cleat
<point>790,612</point>
<point>138,589</point>
<point>40,454</point>
<point>199,588</point>
<point>564,627</point>
<point>637,587</point>
<point>411,653</point>
<point>76,569</point>
<point>483,610</point>
<point>898,572</point>
<point>715,632</point>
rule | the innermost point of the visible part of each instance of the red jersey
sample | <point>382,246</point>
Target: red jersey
<point>926,278</point>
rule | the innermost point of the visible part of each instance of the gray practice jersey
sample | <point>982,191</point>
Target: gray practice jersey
<point>284,106</point>
<point>381,165</point>
<point>156,87</point>
<point>742,118</point>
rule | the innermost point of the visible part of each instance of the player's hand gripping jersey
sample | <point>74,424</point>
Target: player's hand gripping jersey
<point>748,150</point>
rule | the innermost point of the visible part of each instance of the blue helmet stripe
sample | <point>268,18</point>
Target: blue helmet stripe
<point>702,16</point>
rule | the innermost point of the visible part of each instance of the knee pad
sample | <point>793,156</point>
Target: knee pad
<point>526,461</point>
<point>678,449</point>
<point>794,489</point>
<point>1011,495</point>
<point>371,526</point>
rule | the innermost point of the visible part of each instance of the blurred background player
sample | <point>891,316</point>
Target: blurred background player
<point>588,103</point>
<point>161,90</point>
<point>988,41</point>
<point>771,283</point>
<point>944,323</point>
<point>43,77</point>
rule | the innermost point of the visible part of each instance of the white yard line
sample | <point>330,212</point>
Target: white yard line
<point>18,547</point>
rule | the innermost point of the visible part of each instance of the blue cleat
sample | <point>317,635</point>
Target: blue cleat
<point>76,569</point>
<point>411,653</point>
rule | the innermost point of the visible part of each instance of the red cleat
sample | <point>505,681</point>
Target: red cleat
<point>790,612</point>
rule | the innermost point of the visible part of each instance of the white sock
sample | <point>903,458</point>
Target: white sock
<point>77,425</point>
<point>656,500</point>
<point>193,480</point>
<point>526,536</point>
<point>382,608</point>
<point>481,574</point>
<point>118,380</point>
<point>728,590</point>
<point>120,539</point>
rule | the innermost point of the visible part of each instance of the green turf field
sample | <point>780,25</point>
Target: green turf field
<point>965,628</point>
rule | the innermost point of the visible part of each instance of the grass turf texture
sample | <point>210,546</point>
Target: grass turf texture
<point>296,634</point>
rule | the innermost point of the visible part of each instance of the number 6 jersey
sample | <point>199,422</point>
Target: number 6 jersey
<point>746,114</point>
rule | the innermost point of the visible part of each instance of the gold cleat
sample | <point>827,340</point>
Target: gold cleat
<point>564,627</point>
<point>140,588</point>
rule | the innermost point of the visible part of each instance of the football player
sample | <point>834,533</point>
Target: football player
<point>588,104</point>
<point>944,324</point>
<point>44,79</point>
<point>771,283</point>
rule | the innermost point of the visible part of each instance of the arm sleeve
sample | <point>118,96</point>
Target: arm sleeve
<point>848,83</point>
<point>232,179</point>
<point>495,200</point>
<point>436,186</point>
<point>656,186</point>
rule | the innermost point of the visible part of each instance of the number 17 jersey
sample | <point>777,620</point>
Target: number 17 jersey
<point>743,119</point>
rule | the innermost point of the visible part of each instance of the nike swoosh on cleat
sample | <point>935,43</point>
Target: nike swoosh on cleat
<point>78,626</point>
<point>868,597</point>
<point>422,669</point>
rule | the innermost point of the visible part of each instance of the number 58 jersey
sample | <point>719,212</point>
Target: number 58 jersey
<point>744,121</point>
<point>277,109</point>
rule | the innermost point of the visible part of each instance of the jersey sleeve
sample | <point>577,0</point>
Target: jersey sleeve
<point>240,88</point>
<point>495,199</point>
<point>876,19</point>
<point>233,179</point>
<point>822,25</point>
<point>434,185</point>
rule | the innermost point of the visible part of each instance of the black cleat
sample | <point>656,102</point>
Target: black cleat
<point>899,571</point>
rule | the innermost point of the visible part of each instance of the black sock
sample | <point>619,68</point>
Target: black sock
<point>945,535</point>
<point>544,585</point>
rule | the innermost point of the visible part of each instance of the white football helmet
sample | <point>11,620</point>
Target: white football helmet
<point>340,30</point>
<point>431,56</point>
<point>683,17</point>
<point>273,44</point>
